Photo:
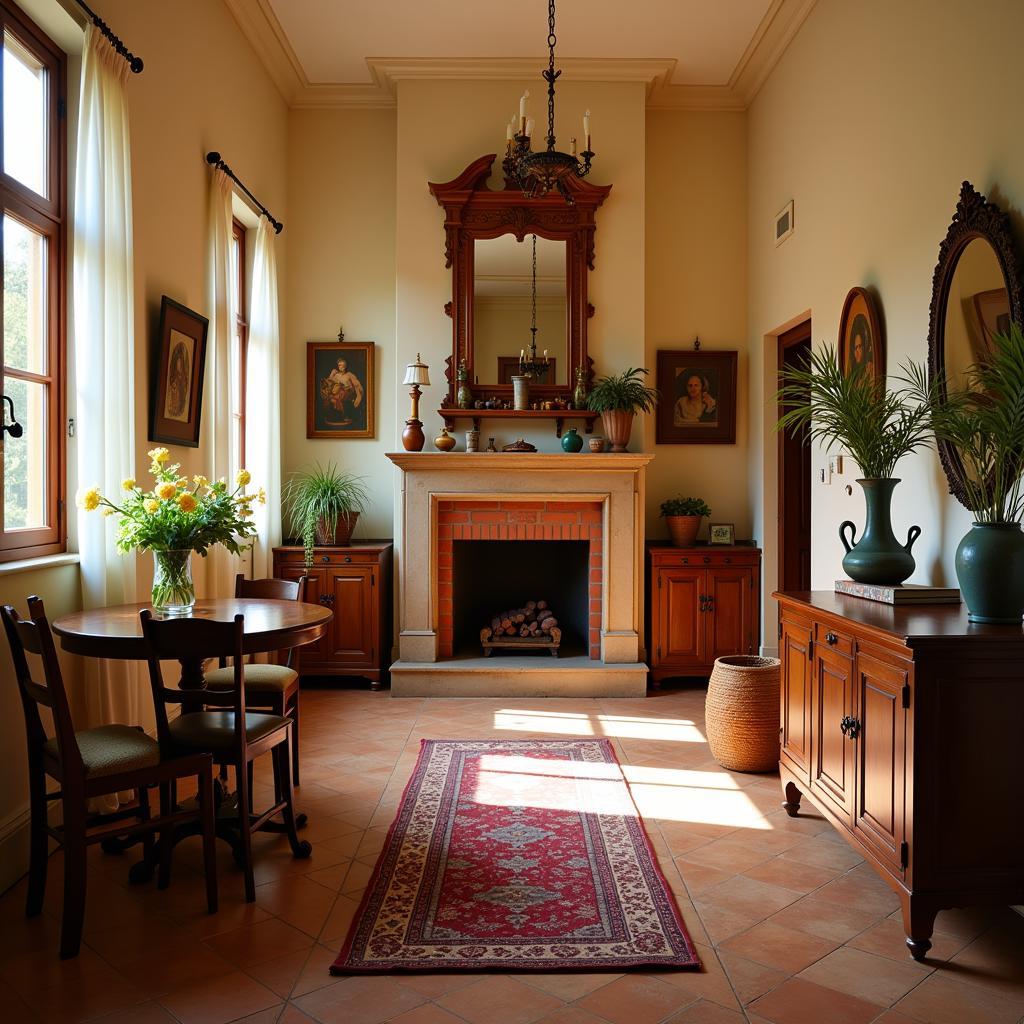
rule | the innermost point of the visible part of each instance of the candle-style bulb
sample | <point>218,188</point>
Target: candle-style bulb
<point>529,126</point>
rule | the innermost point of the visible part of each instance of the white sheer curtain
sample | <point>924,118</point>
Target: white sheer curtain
<point>220,564</point>
<point>104,342</point>
<point>263,399</point>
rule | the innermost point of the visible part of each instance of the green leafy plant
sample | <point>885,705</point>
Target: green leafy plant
<point>320,496</point>
<point>876,426</point>
<point>685,507</point>
<point>984,421</point>
<point>625,392</point>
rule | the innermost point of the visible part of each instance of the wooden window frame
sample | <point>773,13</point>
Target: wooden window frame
<point>238,231</point>
<point>47,216</point>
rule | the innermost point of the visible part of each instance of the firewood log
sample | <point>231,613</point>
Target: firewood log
<point>495,623</point>
<point>531,606</point>
<point>546,624</point>
<point>510,631</point>
<point>541,605</point>
<point>505,622</point>
<point>524,631</point>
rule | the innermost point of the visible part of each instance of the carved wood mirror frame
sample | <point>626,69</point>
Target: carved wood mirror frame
<point>975,217</point>
<point>473,211</point>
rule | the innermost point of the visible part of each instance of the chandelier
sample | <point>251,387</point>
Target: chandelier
<point>529,364</point>
<point>538,173</point>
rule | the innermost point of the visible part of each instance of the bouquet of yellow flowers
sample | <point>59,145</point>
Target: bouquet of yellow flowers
<point>176,518</point>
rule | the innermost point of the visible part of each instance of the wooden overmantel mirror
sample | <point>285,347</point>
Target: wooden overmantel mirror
<point>489,247</point>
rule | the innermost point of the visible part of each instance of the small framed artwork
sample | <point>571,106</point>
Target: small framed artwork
<point>784,223</point>
<point>721,533</point>
<point>340,394</point>
<point>697,397</point>
<point>861,345</point>
<point>179,364</point>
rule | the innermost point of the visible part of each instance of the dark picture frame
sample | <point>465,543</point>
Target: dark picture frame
<point>861,341</point>
<point>704,413</point>
<point>341,398</point>
<point>178,371</point>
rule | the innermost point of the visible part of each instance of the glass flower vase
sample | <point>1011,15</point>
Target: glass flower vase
<point>173,590</point>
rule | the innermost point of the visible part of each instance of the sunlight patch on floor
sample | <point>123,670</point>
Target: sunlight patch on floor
<point>678,730</point>
<point>563,723</point>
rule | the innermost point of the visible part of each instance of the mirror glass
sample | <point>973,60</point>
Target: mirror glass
<point>977,306</point>
<point>502,279</point>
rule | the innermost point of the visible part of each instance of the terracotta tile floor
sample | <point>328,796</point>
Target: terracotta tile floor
<point>792,927</point>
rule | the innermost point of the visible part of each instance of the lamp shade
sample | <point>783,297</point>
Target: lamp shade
<point>416,373</point>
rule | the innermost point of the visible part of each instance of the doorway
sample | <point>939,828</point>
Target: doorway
<point>794,478</point>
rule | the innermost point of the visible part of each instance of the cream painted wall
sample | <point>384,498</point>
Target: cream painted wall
<point>696,286</point>
<point>875,114</point>
<point>341,202</point>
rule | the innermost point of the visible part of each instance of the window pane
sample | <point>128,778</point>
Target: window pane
<point>25,117</point>
<point>24,297</point>
<point>25,482</point>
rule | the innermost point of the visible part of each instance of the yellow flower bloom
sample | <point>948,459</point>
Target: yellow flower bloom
<point>261,496</point>
<point>166,490</point>
<point>158,455</point>
<point>245,511</point>
<point>244,499</point>
<point>186,502</point>
<point>151,505</point>
<point>108,512</point>
<point>200,481</point>
<point>243,478</point>
<point>128,483</point>
<point>90,501</point>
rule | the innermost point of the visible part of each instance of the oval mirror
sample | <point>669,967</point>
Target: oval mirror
<point>976,292</point>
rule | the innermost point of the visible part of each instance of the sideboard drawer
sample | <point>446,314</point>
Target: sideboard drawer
<point>830,638</point>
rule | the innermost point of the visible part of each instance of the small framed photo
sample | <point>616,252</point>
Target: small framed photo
<point>721,533</point>
<point>697,397</point>
<point>179,363</point>
<point>784,223</point>
<point>861,345</point>
<point>340,393</point>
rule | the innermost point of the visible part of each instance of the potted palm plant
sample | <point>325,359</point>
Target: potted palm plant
<point>683,516</point>
<point>618,398</point>
<point>323,504</point>
<point>876,427</point>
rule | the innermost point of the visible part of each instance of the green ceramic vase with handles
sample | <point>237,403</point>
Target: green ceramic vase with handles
<point>878,557</point>
<point>572,442</point>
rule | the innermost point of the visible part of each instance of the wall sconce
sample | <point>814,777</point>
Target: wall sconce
<point>415,375</point>
<point>14,428</point>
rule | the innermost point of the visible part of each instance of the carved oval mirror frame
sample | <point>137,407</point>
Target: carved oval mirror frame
<point>975,217</point>
<point>472,211</point>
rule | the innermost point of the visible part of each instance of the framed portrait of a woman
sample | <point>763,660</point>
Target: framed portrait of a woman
<point>697,397</point>
<point>861,345</point>
<point>179,363</point>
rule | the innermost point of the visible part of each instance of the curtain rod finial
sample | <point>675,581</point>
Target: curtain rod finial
<point>213,157</point>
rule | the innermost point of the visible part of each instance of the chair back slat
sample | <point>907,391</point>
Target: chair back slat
<point>271,589</point>
<point>33,635</point>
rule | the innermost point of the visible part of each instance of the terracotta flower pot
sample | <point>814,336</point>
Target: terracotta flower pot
<point>683,530</point>
<point>618,425</point>
<point>340,535</point>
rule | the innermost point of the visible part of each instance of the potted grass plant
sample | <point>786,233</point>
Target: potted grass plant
<point>618,398</point>
<point>323,504</point>
<point>683,517</point>
<point>877,427</point>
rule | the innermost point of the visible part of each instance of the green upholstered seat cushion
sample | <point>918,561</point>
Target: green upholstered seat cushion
<point>258,678</point>
<point>215,730</point>
<point>109,749</point>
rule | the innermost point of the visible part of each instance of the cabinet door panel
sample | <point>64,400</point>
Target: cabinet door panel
<point>795,695</point>
<point>881,752</point>
<point>681,627</point>
<point>353,630</point>
<point>730,613</point>
<point>832,753</point>
<point>317,650</point>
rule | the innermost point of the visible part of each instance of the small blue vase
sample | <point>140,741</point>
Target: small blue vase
<point>572,442</point>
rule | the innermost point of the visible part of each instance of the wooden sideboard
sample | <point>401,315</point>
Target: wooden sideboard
<point>355,583</point>
<point>903,726</point>
<point>702,603</point>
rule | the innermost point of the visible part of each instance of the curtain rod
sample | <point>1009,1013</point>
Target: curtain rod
<point>213,158</point>
<point>135,63</point>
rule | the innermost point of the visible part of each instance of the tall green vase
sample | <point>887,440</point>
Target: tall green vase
<point>878,557</point>
<point>990,569</point>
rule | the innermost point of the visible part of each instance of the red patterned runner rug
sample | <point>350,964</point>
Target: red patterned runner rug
<point>516,855</point>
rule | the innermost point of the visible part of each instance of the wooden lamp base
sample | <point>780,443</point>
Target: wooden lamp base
<point>412,437</point>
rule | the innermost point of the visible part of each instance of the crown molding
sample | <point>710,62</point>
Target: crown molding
<point>776,30</point>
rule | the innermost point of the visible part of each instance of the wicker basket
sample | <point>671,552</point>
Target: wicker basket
<point>742,713</point>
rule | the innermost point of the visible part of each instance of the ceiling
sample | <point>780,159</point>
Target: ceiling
<point>691,53</point>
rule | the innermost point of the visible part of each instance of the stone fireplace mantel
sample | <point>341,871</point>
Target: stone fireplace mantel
<point>611,484</point>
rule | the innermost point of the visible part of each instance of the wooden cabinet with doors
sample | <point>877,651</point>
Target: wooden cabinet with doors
<point>355,583</point>
<point>703,602</point>
<point>901,725</point>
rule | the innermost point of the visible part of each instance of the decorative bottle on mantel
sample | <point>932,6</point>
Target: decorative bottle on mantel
<point>579,393</point>
<point>463,396</point>
<point>572,442</point>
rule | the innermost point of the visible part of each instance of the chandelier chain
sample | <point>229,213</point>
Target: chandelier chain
<point>552,74</point>
<point>533,294</point>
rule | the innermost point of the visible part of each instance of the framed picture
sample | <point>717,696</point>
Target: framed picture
<point>340,394</point>
<point>721,533</point>
<point>179,363</point>
<point>697,397</point>
<point>861,345</point>
<point>784,223</point>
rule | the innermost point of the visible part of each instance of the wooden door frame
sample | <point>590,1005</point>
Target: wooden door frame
<point>797,335</point>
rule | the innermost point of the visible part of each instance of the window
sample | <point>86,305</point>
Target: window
<point>33,226</point>
<point>239,345</point>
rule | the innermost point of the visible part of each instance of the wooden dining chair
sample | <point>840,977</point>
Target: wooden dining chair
<point>234,736</point>
<point>91,763</point>
<point>273,688</point>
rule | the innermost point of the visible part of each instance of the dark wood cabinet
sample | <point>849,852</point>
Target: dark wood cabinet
<point>901,725</point>
<point>702,604</point>
<point>355,583</point>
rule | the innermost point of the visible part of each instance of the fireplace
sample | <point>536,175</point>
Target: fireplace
<point>477,532</point>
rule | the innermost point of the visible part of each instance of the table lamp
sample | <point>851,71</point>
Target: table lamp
<point>415,374</point>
